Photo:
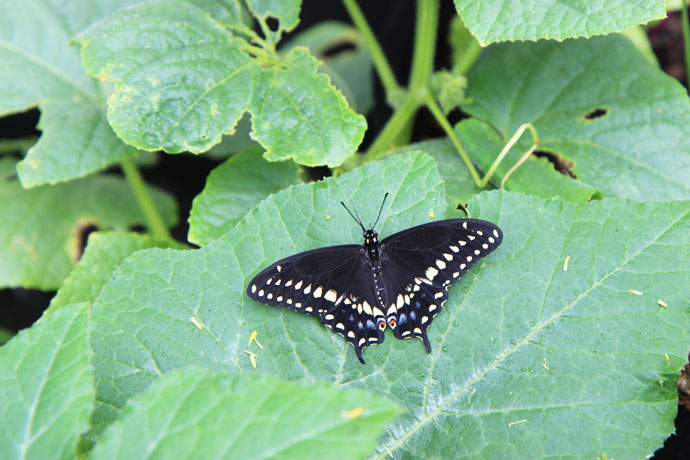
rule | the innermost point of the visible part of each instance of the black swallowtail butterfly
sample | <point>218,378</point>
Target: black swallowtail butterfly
<point>400,282</point>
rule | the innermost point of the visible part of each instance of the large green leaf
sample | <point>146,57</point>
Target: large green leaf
<point>501,20</point>
<point>185,93</point>
<point>457,180</point>
<point>536,176</point>
<point>196,413</point>
<point>522,353</point>
<point>102,255</point>
<point>40,229</point>
<point>627,139</point>
<point>344,57</point>
<point>46,387</point>
<point>233,189</point>
<point>40,69</point>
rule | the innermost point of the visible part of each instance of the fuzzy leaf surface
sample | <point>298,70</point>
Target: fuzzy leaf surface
<point>196,413</point>
<point>104,252</point>
<point>522,352</point>
<point>41,70</point>
<point>182,80</point>
<point>40,228</point>
<point>627,139</point>
<point>46,387</point>
<point>233,189</point>
<point>501,20</point>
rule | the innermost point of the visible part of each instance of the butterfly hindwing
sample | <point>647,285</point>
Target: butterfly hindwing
<point>420,263</point>
<point>332,282</point>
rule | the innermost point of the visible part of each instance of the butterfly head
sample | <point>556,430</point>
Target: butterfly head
<point>371,237</point>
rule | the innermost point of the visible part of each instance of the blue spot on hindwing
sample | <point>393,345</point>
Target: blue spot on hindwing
<point>402,318</point>
<point>370,324</point>
<point>413,316</point>
<point>360,326</point>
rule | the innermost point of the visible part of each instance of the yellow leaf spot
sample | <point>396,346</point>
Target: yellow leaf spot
<point>565,264</point>
<point>354,413</point>
<point>544,365</point>
<point>662,303</point>
<point>634,291</point>
<point>667,360</point>
<point>432,213</point>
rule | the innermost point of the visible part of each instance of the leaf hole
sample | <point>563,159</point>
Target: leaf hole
<point>318,173</point>
<point>462,208</point>
<point>82,230</point>
<point>560,164</point>
<point>599,112</point>
<point>272,23</point>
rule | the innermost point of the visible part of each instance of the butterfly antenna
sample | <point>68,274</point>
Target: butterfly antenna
<point>380,209</point>
<point>353,216</point>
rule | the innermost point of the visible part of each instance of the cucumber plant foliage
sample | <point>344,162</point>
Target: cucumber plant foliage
<point>567,341</point>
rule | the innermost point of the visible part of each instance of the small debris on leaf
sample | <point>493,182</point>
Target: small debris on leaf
<point>354,413</point>
<point>252,358</point>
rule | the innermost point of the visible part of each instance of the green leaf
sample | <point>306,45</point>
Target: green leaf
<point>232,190</point>
<point>344,57</point>
<point>77,140</point>
<point>184,94</point>
<point>634,143</point>
<point>536,176</point>
<point>46,387</point>
<point>285,12</point>
<point>519,338</point>
<point>40,229</point>
<point>40,69</point>
<point>501,20</point>
<point>449,89</point>
<point>195,413</point>
<point>103,254</point>
<point>457,180</point>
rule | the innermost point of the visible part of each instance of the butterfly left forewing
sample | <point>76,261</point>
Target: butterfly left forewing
<point>420,263</point>
<point>330,282</point>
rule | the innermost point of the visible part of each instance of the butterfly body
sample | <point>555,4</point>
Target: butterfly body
<point>399,282</point>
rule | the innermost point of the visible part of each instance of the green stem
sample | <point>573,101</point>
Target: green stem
<point>468,57</point>
<point>422,65</point>
<point>381,64</point>
<point>424,45</point>
<point>394,126</point>
<point>154,221</point>
<point>445,124</point>
<point>686,41</point>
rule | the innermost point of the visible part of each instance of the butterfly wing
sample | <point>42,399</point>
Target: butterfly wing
<point>418,265</point>
<point>334,282</point>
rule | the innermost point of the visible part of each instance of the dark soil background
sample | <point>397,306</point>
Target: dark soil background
<point>184,175</point>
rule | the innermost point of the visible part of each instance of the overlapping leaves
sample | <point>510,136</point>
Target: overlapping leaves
<point>626,139</point>
<point>517,329</point>
<point>182,80</point>
<point>501,20</point>
<point>196,413</point>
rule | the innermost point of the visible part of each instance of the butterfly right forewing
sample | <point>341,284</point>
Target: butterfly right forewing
<point>420,263</point>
